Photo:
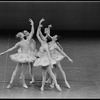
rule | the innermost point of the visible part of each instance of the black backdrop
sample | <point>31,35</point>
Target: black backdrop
<point>69,19</point>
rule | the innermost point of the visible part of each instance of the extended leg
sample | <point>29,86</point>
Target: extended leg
<point>63,73</point>
<point>14,74</point>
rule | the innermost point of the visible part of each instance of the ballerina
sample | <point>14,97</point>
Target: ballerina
<point>21,57</point>
<point>57,53</point>
<point>33,50</point>
<point>45,61</point>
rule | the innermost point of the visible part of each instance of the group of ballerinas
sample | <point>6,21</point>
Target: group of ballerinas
<point>48,56</point>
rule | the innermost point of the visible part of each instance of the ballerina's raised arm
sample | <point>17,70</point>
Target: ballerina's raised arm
<point>49,26</point>
<point>47,30</point>
<point>32,29</point>
<point>41,41</point>
<point>39,30</point>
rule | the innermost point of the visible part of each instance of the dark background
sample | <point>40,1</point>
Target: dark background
<point>68,19</point>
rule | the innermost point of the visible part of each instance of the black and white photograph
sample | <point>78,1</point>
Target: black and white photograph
<point>50,49</point>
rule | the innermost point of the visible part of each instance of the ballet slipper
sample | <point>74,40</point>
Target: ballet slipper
<point>58,87</point>
<point>25,86</point>
<point>42,89</point>
<point>32,81</point>
<point>48,81</point>
<point>68,86</point>
<point>9,86</point>
<point>52,85</point>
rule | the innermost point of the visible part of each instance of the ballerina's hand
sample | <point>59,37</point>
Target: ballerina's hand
<point>71,60</point>
<point>31,21</point>
<point>1,53</point>
<point>42,20</point>
<point>50,25</point>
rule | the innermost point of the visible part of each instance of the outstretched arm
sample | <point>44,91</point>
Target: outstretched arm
<point>16,45</point>
<point>64,53</point>
<point>32,29</point>
<point>59,45</point>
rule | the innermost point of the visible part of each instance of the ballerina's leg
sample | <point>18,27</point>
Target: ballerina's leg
<point>43,79</point>
<point>52,85</point>
<point>23,75</point>
<point>63,73</point>
<point>53,77</point>
<point>31,72</point>
<point>48,78</point>
<point>14,74</point>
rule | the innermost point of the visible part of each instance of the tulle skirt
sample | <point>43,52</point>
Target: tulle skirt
<point>22,57</point>
<point>43,60</point>
<point>56,55</point>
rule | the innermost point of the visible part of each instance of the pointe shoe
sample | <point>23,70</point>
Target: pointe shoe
<point>48,81</point>
<point>32,81</point>
<point>42,89</point>
<point>52,85</point>
<point>58,87</point>
<point>68,86</point>
<point>25,86</point>
<point>9,85</point>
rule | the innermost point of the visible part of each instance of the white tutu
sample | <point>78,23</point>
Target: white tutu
<point>22,58</point>
<point>43,59</point>
<point>55,54</point>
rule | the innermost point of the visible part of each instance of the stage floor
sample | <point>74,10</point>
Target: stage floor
<point>83,75</point>
<point>77,90</point>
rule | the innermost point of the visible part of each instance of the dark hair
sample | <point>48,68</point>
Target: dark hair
<point>49,39</point>
<point>25,37</point>
<point>18,34</point>
<point>58,38</point>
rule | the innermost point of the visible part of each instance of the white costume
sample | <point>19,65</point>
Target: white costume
<point>55,54</point>
<point>43,59</point>
<point>24,57</point>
